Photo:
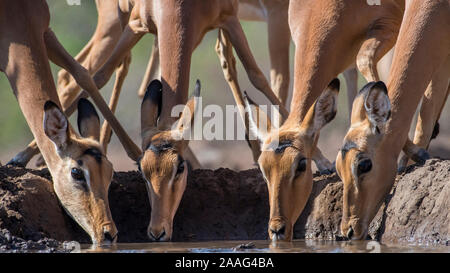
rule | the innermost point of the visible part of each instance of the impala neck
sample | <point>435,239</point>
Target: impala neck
<point>30,76</point>
<point>176,47</point>
<point>323,50</point>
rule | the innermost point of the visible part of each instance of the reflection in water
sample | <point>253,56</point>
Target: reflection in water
<point>297,246</point>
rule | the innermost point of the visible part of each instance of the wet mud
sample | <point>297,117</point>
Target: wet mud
<point>223,205</point>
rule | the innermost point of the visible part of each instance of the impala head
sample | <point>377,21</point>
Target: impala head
<point>361,164</point>
<point>83,175</point>
<point>162,164</point>
<point>285,161</point>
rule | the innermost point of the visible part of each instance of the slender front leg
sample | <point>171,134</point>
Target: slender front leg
<point>279,36</point>
<point>152,72</point>
<point>372,50</point>
<point>127,41</point>
<point>351,80</point>
<point>121,74</point>
<point>224,51</point>
<point>22,158</point>
<point>60,57</point>
<point>427,126</point>
<point>322,163</point>
<point>240,44</point>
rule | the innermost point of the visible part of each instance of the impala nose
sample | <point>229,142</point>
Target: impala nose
<point>350,233</point>
<point>108,237</point>
<point>109,234</point>
<point>278,232</point>
<point>154,236</point>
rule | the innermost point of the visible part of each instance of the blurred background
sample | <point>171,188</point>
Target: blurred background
<point>74,26</point>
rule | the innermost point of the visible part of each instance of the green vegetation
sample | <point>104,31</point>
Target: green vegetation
<point>74,26</point>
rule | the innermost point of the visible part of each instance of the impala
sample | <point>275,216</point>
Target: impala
<point>367,162</point>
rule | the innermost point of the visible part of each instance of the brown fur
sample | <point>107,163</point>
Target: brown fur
<point>27,44</point>
<point>420,54</point>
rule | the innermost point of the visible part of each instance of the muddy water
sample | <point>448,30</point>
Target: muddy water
<point>298,246</point>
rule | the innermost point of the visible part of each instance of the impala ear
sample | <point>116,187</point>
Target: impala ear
<point>88,120</point>
<point>186,119</point>
<point>151,106</point>
<point>323,111</point>
<point>377,106</point>
<point>260,127</point>
<point>56,126</point>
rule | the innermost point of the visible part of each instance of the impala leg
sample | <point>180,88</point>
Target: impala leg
<point>279,43</point>
<point>121,73</point>
<point>192,159</point>
<point>427,127</point>
<point>152,71</point>
<point>22,158</point>
<point>224,51</point>
<point>433,102</point>
<point>322,163</point>
<point>95,54</point>
<point>92,56</point>
<point>240,44</point>
<point>351,80</point>
<point>65,80</point>
<point>372,50</point>
<point>60,57</point>
<point>127,41</point>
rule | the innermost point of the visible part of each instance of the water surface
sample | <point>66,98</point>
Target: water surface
<point>297,246</point>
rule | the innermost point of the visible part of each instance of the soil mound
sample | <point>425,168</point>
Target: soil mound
<point>224,205</point>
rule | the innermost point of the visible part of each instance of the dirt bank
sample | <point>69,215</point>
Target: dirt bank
<point>228,205</point>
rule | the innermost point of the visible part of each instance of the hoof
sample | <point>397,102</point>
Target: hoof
<point>15,163</point>
<point>325,172</point>
<point>328,171</point>
<point>40,162</point>
<point>421,156</point>
<point>435,131</point>
<point>401,169</point>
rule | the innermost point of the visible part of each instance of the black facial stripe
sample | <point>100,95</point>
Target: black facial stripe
<point>347,147</point>
<point>154,93</point>
<point>180,159</point>
<point>159,148</point>
<point>138,163</point>
<point>282,146</point>
<point>94,152</point>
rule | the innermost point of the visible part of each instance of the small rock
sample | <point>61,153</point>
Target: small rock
<point>250,245</point>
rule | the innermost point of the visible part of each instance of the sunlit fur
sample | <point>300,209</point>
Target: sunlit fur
<point>362,190</point>
<point>86,201</point>
<point>285,163</point>
<point>162,164</point>
<point>89,206</point>
<point>165,187</point>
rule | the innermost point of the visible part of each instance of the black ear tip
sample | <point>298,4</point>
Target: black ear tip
<point>155,84</point>
<point>248,99</point>
<point>50,104</point>
<point>153,90</point>
<point>198,87</point>
<point>86,109</point>
<point>335,84</point>
<point>380,85</point>
<point>84,104</point>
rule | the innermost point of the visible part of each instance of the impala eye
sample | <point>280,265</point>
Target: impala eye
<point>180,168</point>
<point>301,167</point>
<point>364,166</point>
<point>77,174</point>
